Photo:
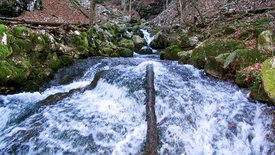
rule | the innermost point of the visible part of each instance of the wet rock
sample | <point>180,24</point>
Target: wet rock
<point>160,41</point>
<point>171,52</point>
<point>124,52</point>
<point>215,68</point>
<point>145,50</point>
<point>138,42</point>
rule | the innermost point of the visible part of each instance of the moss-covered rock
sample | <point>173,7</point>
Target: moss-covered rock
<point>54,62</point>
<point>160,41</point>
<point>266,42</point>
<point>246,57</point>
<point>212,49</point>
<point>4,51</point>
<point>3,29</point>
<point>66,60</point>
<point>138,42</point>
<point>21,31</point>
<point>268,78</point>
<point>127,43</point>
<point>146,50</point>
<point>184,41</point>
<point>125,52</point>
<point>184,56</point>
<point>215,68</point>
<point>10,74</point>
<point>171,52</point>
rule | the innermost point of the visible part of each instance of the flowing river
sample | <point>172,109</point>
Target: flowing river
<point>195,113</point>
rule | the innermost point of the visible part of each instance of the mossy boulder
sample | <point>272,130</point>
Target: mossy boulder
<point>268,77</point>
<point>171,52</point>
<point>54,62</point>
<point>138,42</point>
<point>3,29</point>
<point>212,49</point>
<point>145,50</point>
<point>125,52</point>
<point>184,56</point>
<point>215,68</point>
<point>126,43</point>
<point>21,32</point>
<point>66,60</point>
<point>11,74</point>
<point>160,41</point>
<point>266,42</point>
<point>184,41</point>
<point>4,51</point>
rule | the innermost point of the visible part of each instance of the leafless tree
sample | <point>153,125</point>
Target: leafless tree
<point>92,11</point>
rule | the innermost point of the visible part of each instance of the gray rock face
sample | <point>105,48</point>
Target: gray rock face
<point>13,8</point>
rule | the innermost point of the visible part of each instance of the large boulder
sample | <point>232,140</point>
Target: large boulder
<point>138,42</point>
<point>171,53</point>
<point>266,42</point>
<point>125,52</point>
<point>160,41</point>
<point>13,8</point>
<point>268,77</point>
<point>145,50</point>
<point>127,43</point>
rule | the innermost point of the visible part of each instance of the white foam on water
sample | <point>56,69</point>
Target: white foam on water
<point>147,36</point>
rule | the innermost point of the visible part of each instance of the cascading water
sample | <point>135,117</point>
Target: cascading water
<point>147,36</point>
<point>195,114</point>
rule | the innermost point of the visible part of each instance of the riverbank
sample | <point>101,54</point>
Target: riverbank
<point>233,49</point>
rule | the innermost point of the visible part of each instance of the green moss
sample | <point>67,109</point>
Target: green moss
<point>212,49</point>
<point>54,62</point>
<point>261,23</point>
<point>127,43</point>
<point>107,51</point>
<point>10,74</point>
<point>66,60</point>
<point>171,52</point>
<point>4,52</point>
<point>111,28</point>
<point>184,41</point>
<point>125,52</point>
<point>257,88</point>
<point>240,78</point>
<point>228,30</point>
<point>20,31</point>
<point>247,57</point>
<point>268,76</point>
<point>3,29</point>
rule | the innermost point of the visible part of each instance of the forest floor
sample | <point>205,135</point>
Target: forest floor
<point>58,11</point>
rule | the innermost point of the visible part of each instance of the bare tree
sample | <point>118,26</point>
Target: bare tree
<point>92,11</point>
<point>130,7</point>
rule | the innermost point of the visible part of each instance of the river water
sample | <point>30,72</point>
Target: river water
<point>196,114</point>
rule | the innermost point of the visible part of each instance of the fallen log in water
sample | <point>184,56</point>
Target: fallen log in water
<point>152,133</point>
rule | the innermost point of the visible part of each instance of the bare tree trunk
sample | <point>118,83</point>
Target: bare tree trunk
<point>92,12</point>
<point>130,7</point>
<point>166,4</point>
<point>198,10</point>
<point>181,11</point>
<point>124,5</point>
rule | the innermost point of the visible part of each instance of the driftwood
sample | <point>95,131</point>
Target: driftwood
<point>151,145</point>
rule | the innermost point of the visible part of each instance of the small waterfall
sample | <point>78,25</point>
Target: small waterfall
<point>195,114</point>
<point>147,36</point>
